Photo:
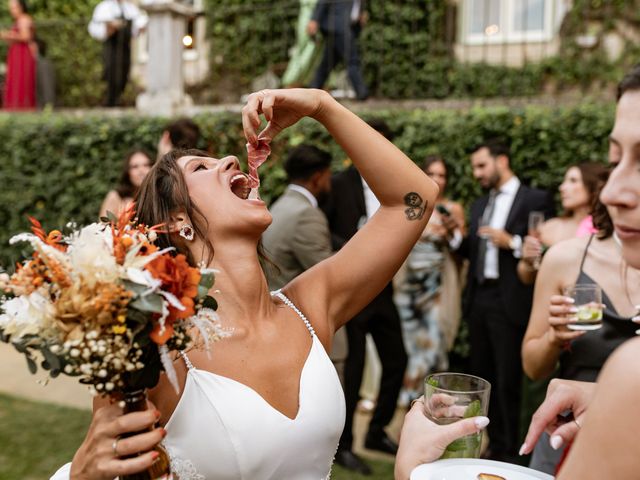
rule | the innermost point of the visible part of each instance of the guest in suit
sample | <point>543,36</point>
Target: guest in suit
<point>497,304</point>
<point>340,22</point>
<point>351,204</point>
<point>299,236</point>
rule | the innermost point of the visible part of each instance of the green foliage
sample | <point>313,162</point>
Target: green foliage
<point>38,438</point>
<point>58,168</point>
<point>407,49</point>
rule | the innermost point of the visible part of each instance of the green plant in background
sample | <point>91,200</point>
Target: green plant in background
<point>58,168</point>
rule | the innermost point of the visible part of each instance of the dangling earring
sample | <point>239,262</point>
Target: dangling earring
<point>186,232</point>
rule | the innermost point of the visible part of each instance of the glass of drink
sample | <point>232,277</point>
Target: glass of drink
<point>588,301</point>
<point>536,219</point>
<point>449,397</point>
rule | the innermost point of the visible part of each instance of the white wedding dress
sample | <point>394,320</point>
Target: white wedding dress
<point>222,429</point>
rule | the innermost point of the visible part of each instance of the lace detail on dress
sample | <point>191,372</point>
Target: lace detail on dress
<point>181,468</point>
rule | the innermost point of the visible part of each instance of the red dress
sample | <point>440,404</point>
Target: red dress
<point>20,82</point>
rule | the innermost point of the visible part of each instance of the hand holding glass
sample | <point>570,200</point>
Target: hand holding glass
<point>536,219</point>
<point>449,397</point>
<point>588,301</point>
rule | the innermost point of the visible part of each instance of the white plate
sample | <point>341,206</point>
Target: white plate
<point>469,468</point>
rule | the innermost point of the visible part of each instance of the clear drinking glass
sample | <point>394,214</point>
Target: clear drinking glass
<point>536,219</point>
<point>588,301</point>
<point>449,397</point>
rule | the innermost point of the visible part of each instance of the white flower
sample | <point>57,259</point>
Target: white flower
<point>143,277</point>
<point>26,315</point>
<point>91,254</point>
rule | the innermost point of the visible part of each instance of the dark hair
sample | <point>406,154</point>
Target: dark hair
<point>23,6</point>
<point>184,134</point>
<point>496,147</point>
<point>305,160</point>
<point>594,176</point>
<point>164,191</point>
<point>435,158</point>
<point>125,188</point>
<point>382,127</point>
<point>601,219</point>
<point>630,82</point>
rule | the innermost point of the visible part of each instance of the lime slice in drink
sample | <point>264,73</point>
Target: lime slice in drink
<point>589,314</point>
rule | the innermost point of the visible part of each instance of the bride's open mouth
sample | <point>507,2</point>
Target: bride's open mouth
<point>239,185</point>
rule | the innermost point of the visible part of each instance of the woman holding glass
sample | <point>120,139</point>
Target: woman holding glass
<point>557,338</point>
<point>578,193</point>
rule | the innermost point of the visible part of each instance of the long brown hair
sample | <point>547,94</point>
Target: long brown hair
<point>126,188</point>
<point>163,192</point>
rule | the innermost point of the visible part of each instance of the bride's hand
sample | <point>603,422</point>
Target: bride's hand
<point>100,457</point>
<point>281,108</point>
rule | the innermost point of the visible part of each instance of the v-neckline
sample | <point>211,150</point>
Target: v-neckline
<point>253,391</point>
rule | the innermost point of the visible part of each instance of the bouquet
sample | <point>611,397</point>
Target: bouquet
<point>103,303</point>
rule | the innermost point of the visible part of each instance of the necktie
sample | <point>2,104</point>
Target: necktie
<point>485,220</point>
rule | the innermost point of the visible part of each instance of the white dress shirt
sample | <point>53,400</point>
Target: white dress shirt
<point>306,193</point>
<point>371,202</point>
<point>504,202</point>
<point>111,10</point>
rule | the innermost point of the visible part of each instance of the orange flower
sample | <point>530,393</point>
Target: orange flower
<point>179,279</point>
<point>161,339</point>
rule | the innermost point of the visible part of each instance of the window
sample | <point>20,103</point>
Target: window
<point>499,21</point>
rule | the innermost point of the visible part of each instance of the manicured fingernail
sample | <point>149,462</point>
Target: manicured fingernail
<point>481,422</point>
<point>573,310</point>
<point>636,319</point>
<point>569,300</point>
<point>156,414</point>
<point>523,449</point>
<point>573,319</point>
<point>638,332</point>
<point>556,442</point>
<point>155,455</point>
<point>163,432</point>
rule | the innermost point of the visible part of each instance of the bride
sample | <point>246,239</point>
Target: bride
<point>267,403</point>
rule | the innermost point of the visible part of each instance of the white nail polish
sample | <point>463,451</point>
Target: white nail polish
<point>522,449</point>
<point>481,422</point>
<point>556,442</point>
<point>638,332</point>
<point>636,319</point>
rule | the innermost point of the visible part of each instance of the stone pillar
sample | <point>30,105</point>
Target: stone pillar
<point>164,73</point>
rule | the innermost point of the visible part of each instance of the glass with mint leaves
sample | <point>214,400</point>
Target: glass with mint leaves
<point>449,397</point>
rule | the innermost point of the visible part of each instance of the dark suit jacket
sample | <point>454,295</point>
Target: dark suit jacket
<point>517,296</point>
<point>335,15</point>
<point>346,211</point>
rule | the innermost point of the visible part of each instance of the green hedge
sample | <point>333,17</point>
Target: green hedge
<point>407,52</point>
<point>58,168</point>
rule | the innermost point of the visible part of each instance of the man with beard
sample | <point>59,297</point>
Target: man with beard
<point>496,303</point>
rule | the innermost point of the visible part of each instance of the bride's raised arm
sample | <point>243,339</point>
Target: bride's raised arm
<point>349,280</point>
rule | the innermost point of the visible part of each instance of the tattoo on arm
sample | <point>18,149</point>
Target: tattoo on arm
<point>416,206</point>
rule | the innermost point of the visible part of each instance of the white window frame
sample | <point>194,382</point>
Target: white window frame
<point>508,34</point>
